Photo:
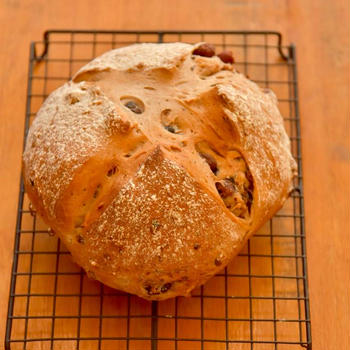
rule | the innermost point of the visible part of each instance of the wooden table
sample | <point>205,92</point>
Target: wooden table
<point>319,30</point>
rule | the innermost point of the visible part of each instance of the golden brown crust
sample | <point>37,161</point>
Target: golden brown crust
<point>159,229</point>
<point>155,165</point>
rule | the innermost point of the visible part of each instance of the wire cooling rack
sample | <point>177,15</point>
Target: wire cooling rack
<point>260,301</point>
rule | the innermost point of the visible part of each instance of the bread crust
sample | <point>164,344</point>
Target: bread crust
<point>154,166</point>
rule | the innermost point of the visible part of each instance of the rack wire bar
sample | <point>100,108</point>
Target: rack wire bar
<point>259,301</point>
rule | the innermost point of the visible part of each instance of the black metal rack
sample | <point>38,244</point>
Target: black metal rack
<point>260,301</point>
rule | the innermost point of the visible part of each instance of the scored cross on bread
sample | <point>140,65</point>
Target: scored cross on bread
<point>155,164</point>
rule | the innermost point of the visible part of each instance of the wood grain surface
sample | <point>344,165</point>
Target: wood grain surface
<point>320,31</point>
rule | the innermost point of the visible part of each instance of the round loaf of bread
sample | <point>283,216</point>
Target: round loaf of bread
<point>154,165</point>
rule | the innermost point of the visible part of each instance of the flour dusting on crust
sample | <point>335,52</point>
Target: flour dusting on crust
<point>259,122</point>
<point>69,128</point>
<point>139,57</point>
